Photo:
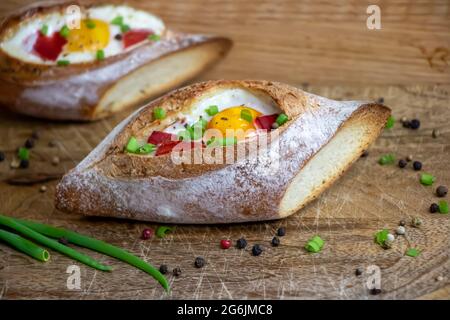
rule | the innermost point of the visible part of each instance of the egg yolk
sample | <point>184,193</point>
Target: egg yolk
<point>92,35</point>
<point>230,119</point>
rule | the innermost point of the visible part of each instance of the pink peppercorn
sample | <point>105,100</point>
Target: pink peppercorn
<point>147,234</point>
<point>225,243</point>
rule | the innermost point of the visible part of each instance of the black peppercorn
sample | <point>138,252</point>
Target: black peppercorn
<point>257,250</point>
<point>163,269</point>
<point>2,156</point>
<point>199,262</point>
<point>417,165</point>
<point>406,124</point>
<point>281,232</point>
<point>241,243</point>
<point>364,154</point>
<point>359,271</point>
<point>415,124</point>
<point>402,223</point>
<point>29,143</point>
<point>275,241</point>
<point>441,191</point>
<point>375,291</point>
<point>402,163</point>
<point>24,163</point>
<point>380,100</point>
<point>118,37</point>
<point>176,272</point>
<point>434,208</point>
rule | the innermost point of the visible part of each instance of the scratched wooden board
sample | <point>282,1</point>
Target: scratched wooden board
<point>321,43</point>
<point>368,198</point>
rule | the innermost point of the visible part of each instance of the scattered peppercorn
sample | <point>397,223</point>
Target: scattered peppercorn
<point>380,100</point>
<point>409,158</point>
<point>241,243</point>
<point>24,163</point>
<point>225,243</point>
<point>400,230</point>
<point>416,222</point>
<point>176,272</point>
<point>441,191</point>
<point>257,250</point>
<point>275,241</point>
<point>2,156</point>
<point>402,163</point>
<point>163,269</point>
<point>415,124</point>
<point>55,160</point>
<point>36,134</point>
<point>417,165</point>
<point>29,143</point>
<point>406,124</point>
<point>199,262</point>
<point>63,241</point>
<point>42,189</point>
<point>118,37</point>
<point>435,133</point>
<point>364,154</point>
<point>281,232</point>
<point>147,234</point>
<point>359,271</point>
<point>375,291</point>
<point>434,208</point>
<point>402,223</point>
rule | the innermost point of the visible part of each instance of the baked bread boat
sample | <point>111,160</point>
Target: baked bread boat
<point>71,62</point>
<point>143,171</point>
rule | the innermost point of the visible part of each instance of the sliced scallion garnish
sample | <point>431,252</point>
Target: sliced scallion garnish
<point>132,145</point>
<point>64,32</point>
<point>44,30</point>
<point>386,159</point>
<point>381,237</point>
<point>124,28</point>
<point>427,179</point>
<point>154,37</point>
<point>159,113</point>
<point>118,21</point>
<point>315,244</point>
<point>146,149</point>
<point>412,252</point>
<point>390,122</point>
<point>23,153</point>
<point>443,207</point>
<point>100,55</point>
<point>63,62</point>
<point>90,24</point>
<point>212,110</point>
<point>161,232</point>
<point>281,119</point>
<point>246,115</point>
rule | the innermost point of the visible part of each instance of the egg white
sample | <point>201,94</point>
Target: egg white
<point>20,44</point>
<point>223,99</point>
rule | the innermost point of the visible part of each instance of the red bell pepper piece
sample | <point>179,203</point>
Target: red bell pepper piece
<point>265,122</point>
<point>49,48</point>
<point>158,137</point>
<point>168,146</point>
<point>134,36</point>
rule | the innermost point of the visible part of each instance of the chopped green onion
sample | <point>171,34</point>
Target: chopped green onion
<point>228,141</point>
<point>24,245</point>
<point>44,30</point>
<point>387,159</point>
<point>64,32</point>
<point>381,237</point>
<point>390,122</point>
<point>132,145</point>
<point>161,232</point>
<point>281,119</point>
<point>90,24</point>
<point>443,207</point>
<point>118,21</point>
<point>427,179</point>
<point>315,244</point>
<point>124,28</point>
<point>100,55</point>
<point>98,246</point>
<point>210,141</point>
<point>184,135</point>
<point>55,245</point>
<point>212,110</point>
<point>412,252</point>
<point>146,149</point>
<point>159,113</point>
<point>197,129</point>
<point>246,115</point>
<point>63,62</point>
<point>154,37</point>
<point>23,153</point>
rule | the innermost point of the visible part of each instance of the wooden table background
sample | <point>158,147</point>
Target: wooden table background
<point>324,47</point>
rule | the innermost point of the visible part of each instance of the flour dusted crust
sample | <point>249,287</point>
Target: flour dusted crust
<point>109,182</point>
<point>94,90</point>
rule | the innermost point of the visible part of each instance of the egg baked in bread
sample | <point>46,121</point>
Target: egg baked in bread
<point>72,62</point>
<point>163,164</point>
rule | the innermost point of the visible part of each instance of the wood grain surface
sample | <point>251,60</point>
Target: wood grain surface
<point>325,48</point>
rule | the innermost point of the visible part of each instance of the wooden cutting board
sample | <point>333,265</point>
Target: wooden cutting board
<point>328,46</point>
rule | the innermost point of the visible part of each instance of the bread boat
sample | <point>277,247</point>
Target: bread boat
<point>70,62</point>
<point>316,141</point>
